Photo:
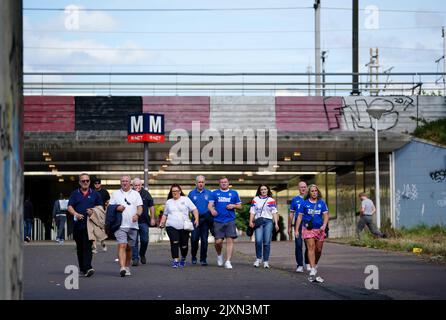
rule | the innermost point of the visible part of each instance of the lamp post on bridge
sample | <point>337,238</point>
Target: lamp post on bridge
<point>376,112</point>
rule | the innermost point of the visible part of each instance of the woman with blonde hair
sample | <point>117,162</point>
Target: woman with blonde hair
<point>313,214</point>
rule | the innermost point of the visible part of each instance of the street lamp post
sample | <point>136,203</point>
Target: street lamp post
<point>376,112</point>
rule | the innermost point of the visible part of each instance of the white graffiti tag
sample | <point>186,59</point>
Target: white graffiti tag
<point>410,192</point>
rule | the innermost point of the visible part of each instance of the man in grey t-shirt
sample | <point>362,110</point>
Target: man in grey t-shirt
<point>366,217</point>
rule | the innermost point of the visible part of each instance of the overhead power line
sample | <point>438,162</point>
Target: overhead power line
<point>220,32</point>
<point>214,49</point>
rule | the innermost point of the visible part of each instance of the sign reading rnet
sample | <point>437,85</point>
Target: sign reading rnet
<point>145,127</point>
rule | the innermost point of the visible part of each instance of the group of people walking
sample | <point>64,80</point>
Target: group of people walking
<point>130,212</point>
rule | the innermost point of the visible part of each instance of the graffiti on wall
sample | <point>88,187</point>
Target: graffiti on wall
<point>352,114</point>
<point>438,176</point>
<point>408,192</point>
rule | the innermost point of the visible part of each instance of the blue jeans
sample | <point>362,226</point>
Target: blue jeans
<point>28,225</point>
<point>263,235</point>
<point>60,223</point>
<point>201,234</point>
<point>298,249</point>
<point>143,233</point>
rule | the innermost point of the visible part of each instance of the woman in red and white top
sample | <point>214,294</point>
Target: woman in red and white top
<point>263,214</point>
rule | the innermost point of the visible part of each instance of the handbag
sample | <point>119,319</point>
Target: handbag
<point>188,225</point>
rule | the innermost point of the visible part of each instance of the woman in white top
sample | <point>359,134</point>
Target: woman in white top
<point>263,214</point>
<point>176,211</point>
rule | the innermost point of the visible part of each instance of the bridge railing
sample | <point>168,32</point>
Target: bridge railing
<point>211,84</point>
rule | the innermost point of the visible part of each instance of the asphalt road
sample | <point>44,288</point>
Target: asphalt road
<point>401,276</point>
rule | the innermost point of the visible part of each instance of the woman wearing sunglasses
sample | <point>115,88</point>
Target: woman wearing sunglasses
<point>176,214</point>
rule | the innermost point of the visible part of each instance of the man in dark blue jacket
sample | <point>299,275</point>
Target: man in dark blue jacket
<point>148,213</point>
<point>80,205</point>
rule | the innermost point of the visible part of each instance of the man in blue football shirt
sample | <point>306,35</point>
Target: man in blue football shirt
<point>222,206</point>
<point>296,202</point>
<point>200,197</point>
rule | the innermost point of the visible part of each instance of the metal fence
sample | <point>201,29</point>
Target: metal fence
<point>211,84</point>
<point>38,231</point>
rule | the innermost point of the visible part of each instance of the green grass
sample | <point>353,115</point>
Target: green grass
<point>432,241</point>
<point>433,131</point>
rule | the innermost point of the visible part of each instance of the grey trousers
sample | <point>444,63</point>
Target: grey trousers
<point>367,221</point>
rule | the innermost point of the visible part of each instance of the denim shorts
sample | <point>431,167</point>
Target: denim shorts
<point>225,230</point>
<point>126,235</point>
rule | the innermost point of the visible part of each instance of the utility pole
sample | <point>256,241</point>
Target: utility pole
<point>317,44</point>
<point>323,57</point>
<point>355,48</point>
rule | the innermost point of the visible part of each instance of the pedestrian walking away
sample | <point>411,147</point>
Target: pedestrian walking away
<point>313,214</point>
<point>263,218</point>
<point>366,217</point>
<point>177,222</point>
<point>129,203</point>
<point>28,219</point>
<point>200,197</point>
<point>80,205</point>
<point>222,206</point>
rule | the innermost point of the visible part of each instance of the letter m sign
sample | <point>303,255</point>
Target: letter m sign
<point>145,127</point>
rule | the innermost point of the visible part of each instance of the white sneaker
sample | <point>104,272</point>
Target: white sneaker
<point>94,251</point>
<point>127,271</point>
<point>116,260</point>
<point>300,269</point>
<point>104,247</point>
<point>266,264</point>
<point>228,264</point>
<point>313,272</point>
<point>220,260</point>
<point>308,267</point>
<point>257,263</point>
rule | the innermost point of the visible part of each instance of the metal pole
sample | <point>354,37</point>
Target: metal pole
<point>309,80</point>
<point>355,48</point>
<point>444,62</point>
<point>377,194</point>
<point>323,72</point>
<point>317,44</point>
<point>146,165</point>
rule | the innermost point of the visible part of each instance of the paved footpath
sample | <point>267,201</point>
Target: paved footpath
<point>401,276</point>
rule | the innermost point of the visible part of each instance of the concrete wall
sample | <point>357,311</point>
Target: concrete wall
<point>11,153</point>
<point>286,114</point>
<point>420,184</point>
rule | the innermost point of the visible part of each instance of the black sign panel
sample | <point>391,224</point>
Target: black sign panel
<point>105,113</point>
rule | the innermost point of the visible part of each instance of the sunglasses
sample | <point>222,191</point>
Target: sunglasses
<point>126,201</point>
<point>85,181</point>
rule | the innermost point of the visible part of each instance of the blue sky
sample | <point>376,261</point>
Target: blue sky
<point>229,41</point>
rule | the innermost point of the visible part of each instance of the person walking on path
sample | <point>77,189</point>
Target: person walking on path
<point>175,219</point>
<point>222,206</point>
<point>200,197</point>
<point>146,219</point>
<point>313,214</point>
<point>80,205</point>
<point>263,217</point>
<point>296,203</point>
<point>129,204</point>
<point>366,217</point>
<point>60,209</point>
<point>28,219</point>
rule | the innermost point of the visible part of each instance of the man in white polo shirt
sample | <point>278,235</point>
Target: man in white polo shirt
<point>129,204</point>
